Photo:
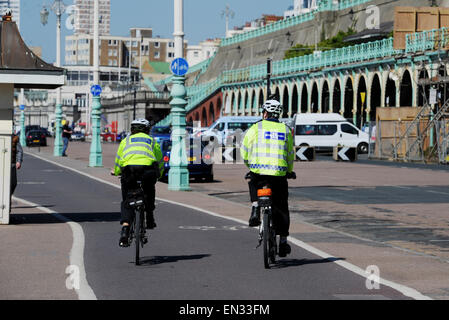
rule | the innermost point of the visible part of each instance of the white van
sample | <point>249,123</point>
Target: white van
<point>225,126</point>
<point>328,130</point>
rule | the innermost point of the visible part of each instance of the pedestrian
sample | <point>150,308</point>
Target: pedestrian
<point>16,162</point>
<point>66,135</point>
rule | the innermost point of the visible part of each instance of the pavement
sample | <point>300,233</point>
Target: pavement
<point>423,268</point>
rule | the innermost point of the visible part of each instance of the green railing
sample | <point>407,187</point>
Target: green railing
<point>427,40</point>
<point>324,5</point>
<point>423,41</point>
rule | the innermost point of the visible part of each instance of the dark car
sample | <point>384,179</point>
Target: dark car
<point>36,137</point>
<point>199,160</point>
<point>122,135</point>
<point>161,133</point>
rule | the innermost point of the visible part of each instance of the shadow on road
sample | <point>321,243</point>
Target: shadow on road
<point>149,261</point>
<point>285,263</point>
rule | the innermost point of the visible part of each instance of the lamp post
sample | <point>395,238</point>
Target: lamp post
<point>58,7</point>
<point>178,176</point>
<point>96,155</point>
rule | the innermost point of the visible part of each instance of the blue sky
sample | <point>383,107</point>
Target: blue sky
<point>202,19</point>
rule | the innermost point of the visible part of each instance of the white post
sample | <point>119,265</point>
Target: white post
<point>179,29</point>
<point>96,42</point>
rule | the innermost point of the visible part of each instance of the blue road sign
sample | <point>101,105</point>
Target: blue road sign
<point>96,90</point>
<point>22,107</point>
<point>179,67</point>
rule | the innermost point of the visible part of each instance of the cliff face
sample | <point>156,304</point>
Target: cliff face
<point>326,25</point>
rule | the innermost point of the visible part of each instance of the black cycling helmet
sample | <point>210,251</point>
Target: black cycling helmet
<point>140,125</point>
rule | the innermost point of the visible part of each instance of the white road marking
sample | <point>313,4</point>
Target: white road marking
<point>84,292</point>
<point>408,292</point>
<point>438,192</point>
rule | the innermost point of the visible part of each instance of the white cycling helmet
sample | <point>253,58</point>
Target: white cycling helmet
<point>140,125</point>
<point>141,122</point>
<point>273,107</point>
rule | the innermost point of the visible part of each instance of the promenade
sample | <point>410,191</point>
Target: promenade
<point>363,233</point>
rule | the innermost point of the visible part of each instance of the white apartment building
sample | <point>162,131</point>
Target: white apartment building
<point>301,7</point>
<point>84,16</point>
<point>119,51</point>
<point>203,51</point>
<point>14,5</point>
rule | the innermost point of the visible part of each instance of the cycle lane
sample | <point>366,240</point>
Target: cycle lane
<point>191,255</point>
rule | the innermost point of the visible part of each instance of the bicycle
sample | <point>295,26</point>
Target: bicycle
<point>135,200</point>
<point>267,234</point>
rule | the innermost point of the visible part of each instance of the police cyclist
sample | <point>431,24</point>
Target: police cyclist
<point>139,158</point>
<point>268,152</point>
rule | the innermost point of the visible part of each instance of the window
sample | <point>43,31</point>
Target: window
<point>239,125</point>
<point>157,44</point>
<point>347,128</point>
<point>306,130</point>
<point>327,129</point>
<point>171,55</point>
<point>157,55</point>
<point>171,44</point>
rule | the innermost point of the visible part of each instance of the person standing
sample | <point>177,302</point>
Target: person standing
<point>66,135</point>
<point>16,161</point>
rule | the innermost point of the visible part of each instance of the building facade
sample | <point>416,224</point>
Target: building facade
<point>84,17</point>
<point>14,5</point>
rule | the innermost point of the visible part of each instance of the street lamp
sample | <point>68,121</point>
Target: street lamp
<point>58,7</point>
<point>96,153</point>
<point>178,176</point>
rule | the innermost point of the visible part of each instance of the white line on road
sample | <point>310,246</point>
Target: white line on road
<point>408,292</point>
<point>438,192</point>
<point>84,292</point>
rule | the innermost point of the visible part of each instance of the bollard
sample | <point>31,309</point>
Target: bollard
<point>345,154</point>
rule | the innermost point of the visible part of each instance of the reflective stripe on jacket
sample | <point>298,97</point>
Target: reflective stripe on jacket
<point>138,149</point>
<point>268,148</point>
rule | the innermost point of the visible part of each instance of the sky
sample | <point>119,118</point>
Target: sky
<point>202,19</point>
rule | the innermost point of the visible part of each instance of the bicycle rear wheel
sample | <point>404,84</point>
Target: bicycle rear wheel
<point>266,238</point>
<point>137,235</point>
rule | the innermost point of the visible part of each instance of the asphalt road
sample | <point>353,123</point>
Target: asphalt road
<point>191,255</point>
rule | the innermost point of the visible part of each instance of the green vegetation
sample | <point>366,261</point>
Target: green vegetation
<point>324,45</point>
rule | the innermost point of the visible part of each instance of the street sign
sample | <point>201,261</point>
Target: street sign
<point>96,90</point>
<point>22,107</point>
<point>179,67</point>
<point>305,153</point>
<point>345,154</point>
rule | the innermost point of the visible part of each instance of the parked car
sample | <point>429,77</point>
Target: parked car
<point>328,130</point>
<point>78,136</point>
<point>108,136</point>
<point>224,128</point>
<point>36,137</point>
<point>122,135</point>
<point>199,161</point>
<point>161,133</point>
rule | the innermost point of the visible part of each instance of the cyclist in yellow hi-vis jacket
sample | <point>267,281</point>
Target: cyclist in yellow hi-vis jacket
<point>139,158</point>
<point>268,152</point>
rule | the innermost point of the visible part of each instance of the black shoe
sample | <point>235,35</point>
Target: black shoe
<point>284,249</point>
<point>150,223</point>
<point>124,236</point>
<point>64,155</point>
<point>254,220</point>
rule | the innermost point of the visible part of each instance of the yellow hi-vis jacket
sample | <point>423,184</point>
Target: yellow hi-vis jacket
<point>268,148</point>
<point>138,150</point>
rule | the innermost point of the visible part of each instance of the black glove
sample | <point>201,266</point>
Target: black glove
<point>291,175</point>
